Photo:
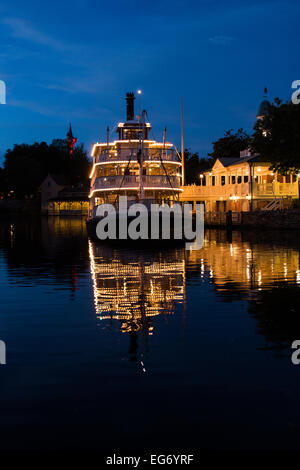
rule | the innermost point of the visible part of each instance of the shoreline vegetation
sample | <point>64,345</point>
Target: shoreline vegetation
<point>262,221</point>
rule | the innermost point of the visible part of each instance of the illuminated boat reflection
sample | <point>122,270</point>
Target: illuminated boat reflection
<point>134,287</point>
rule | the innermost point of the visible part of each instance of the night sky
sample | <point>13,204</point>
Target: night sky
<point>74,61</point>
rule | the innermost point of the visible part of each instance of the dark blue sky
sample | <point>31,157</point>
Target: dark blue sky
<point>74,61</point>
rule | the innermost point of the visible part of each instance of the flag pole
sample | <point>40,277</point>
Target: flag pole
<point>182,144</point>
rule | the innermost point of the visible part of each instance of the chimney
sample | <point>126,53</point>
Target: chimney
<point>130,106</point>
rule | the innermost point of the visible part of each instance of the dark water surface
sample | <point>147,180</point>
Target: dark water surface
<point>120,349</point>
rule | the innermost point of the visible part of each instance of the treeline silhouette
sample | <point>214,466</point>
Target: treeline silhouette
<point>26,166</point>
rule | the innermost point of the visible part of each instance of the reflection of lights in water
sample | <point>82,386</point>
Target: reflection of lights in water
<point>12,235</point>
<point>202,269</point>
<point>248,266</point>
<point>92,265</point>
<point>285,270</point>
<point>259,279</point>
<point>134,288</point>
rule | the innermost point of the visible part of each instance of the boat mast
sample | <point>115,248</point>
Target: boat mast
<point>107,140</point>
<point>182,145</point>
<point>141,155</point>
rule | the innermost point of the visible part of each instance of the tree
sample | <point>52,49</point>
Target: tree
<point>25,166</point>
<point>277,137</point>
<point>231,144</point>
<point>2,181</point>
<point>194,165</point>
<point>80,166</point>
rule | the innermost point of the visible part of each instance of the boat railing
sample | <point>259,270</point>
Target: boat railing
<point>133,181</point>
<point>147,202</point>
<point>126,156</point>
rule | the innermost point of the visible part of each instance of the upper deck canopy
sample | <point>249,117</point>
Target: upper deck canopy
<point>133,128</point>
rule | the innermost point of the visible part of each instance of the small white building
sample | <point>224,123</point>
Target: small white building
<point>50,188</point>
<point>59,198</point>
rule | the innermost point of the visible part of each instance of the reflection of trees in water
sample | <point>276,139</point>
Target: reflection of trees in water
<point>44,249</point>
<point>134,286</point>
<point>277,314</point>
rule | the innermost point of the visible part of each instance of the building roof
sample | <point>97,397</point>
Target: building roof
<point>70,198</point>
<point>238,161</point>
<point>78,188</point>
<point>73,193</point>
<point>69,193</point>
<point>263,109</point>
<point>59,179</point>
<point>231,161</point>
<point>227,161</point>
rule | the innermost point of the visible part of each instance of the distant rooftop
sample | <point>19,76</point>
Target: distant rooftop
<point>58,178</point>
<point>263,109</point>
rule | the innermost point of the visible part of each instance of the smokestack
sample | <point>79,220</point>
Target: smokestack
<point>130,106</point>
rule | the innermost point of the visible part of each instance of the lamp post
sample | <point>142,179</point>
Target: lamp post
<point>251,173</point>
<point>182,145</point>
<point>139,92</point>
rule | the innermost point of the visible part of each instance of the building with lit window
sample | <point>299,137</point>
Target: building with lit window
<point>243,184</point>
<point>59,198</point>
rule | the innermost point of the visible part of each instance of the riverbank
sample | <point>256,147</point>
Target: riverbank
<point>288,219</point>
<point>20,206</point>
